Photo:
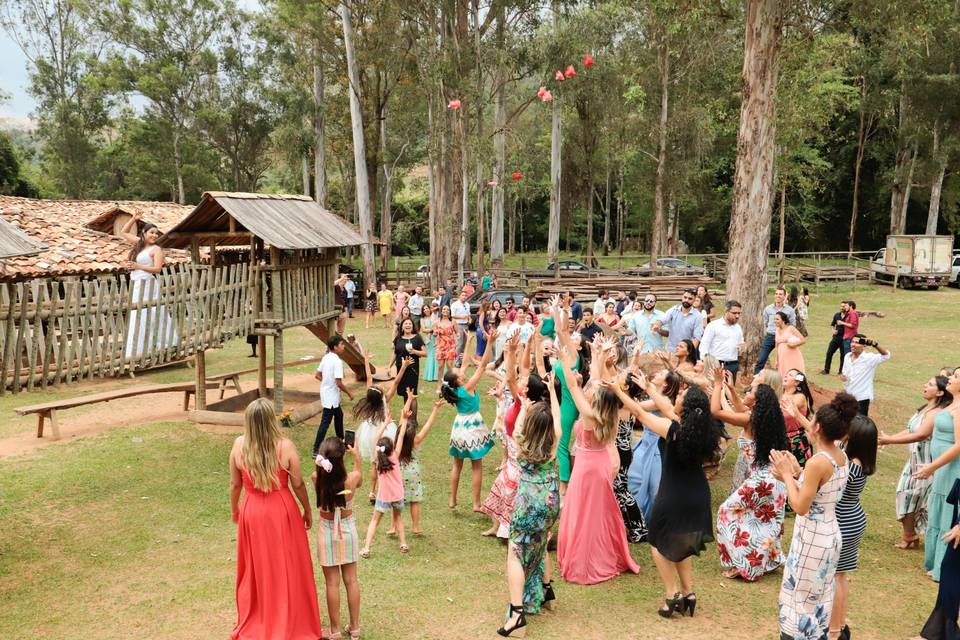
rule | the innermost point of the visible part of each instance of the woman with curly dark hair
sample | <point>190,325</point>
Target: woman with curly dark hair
<point>680,522</point>
<point>750,521</point>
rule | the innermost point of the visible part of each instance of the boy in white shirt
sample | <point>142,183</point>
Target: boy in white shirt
<point>330,375</point>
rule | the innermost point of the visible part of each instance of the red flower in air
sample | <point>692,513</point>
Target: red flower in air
<point>491,183</point>
<point>741,539</point>
<point>588,61</point>
<point>517,176</point>
<point>541,91</point>
<point>546,97</point>
<point>570,72</point>
<point>453,104</point>
<point>559,75</point>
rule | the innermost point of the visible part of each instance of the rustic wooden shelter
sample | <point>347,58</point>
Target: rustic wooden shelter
<point>292,251</point>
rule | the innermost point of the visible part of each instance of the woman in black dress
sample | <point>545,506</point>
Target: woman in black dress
<point>408,344</point>
<point>942,623</point>
<point>681,520</point>
<point>629,509</point>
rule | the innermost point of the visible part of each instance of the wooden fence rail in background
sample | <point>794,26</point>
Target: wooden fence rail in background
<point>58,332</point>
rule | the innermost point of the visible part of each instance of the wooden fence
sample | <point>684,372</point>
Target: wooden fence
<point>57,332</point>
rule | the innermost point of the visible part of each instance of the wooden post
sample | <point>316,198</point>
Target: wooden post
<point>200,399</point>
<point>276,290</point>
<point>278,372</point>
<point>256,252</point>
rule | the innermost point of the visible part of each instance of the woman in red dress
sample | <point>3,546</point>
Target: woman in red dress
<point>276,592</point>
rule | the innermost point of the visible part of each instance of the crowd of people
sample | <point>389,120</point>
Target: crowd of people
<point>611,417</point>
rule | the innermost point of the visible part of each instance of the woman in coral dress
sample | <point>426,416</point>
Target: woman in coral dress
<point>592,543</point>
<point>788,339</point>
<point>446,342</point>
<point>276,592</point>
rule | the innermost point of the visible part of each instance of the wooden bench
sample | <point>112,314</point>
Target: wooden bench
<point>233,377</point>
<point>48,410</point>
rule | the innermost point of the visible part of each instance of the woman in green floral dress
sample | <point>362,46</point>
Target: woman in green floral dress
<point>535,511</point>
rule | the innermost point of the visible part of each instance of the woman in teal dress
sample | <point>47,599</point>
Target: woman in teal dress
<point>945,469</point>
<point>430,362</point>
<point>536,508</point>
<point>568,410</point>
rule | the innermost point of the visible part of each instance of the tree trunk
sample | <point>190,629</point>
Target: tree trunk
<point>361,178</point>
<point>512,233</point>
<point>659,231</point>
<point>590,200</point>
<point>753,188</point>
<point>305,174</point>
<point>319,133</point>
<point>783,230</point>
<point>386,206</point>
<point>905,202</point>
<point>463,252</point>
<point>621,213</point>
<point>553,229</point>
<point>936,187</point>
<point>858,163</point>
<point>500,145</point>
<point>898,192</point>
<point>178,165</point>
<point>606,214</point>
<point>432,207</point>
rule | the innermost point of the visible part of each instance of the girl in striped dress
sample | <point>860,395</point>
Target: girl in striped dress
<point>338,543</point>
<point>861,450</point>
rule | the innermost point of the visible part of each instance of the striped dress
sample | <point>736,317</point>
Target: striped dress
<point>338,542</point>
<point>851,518</point>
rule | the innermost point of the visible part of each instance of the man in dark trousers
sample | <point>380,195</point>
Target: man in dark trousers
<point>836,340</point>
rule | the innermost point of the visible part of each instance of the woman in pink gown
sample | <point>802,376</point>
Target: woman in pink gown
<point>788,339</point>
<point>592,543</point>
<point>276,592</point>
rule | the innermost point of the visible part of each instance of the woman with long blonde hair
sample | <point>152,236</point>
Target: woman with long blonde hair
<point>276,592</point>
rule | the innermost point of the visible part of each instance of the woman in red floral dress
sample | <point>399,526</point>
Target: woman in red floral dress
<point>446,336</point>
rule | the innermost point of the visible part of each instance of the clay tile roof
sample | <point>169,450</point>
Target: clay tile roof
<point>14,242</point>
<point>73,247</point>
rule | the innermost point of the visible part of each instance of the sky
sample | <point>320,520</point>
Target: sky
<point>14,78</point>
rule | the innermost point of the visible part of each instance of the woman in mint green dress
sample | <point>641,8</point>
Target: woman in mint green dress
<point>430,362</point>
<point>945,469</point>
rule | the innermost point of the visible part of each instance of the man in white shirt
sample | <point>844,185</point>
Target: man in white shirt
<point>859,369</point>
<point>350,287</point>
<point>600,304</point>
<point>460,314</point>
<point>415,304</point>
<point>330,375</point>
<point>723,339</point>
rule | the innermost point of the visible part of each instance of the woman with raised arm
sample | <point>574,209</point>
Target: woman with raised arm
<point>535,511</point>
<point>146,261</point>
<point>568,408</point>
<point>750,520</point>
<point>408,347</point>
<point>912,493</point>
<point>592,540</point>
<point>944,469</point>
<point>806,593</point>
<point>373,412</point>
<point>276,592</point>
<point>470,438</point>
<point>643,478</point>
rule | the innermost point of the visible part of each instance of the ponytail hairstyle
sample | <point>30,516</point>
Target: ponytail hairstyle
<point>371,407</point>
<point>834,418</point>
<point>141,242</point>
<point>384,451</point>
<point>769,427</point>
<point>449,386</point>
<point>409,436</point>
<point>331,474</point>
<point>862,443</point>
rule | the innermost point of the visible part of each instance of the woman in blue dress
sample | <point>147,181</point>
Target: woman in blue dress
<point>643,478</point>
<point>430,362</point>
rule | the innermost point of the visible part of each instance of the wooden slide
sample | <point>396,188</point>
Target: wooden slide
<point>351,355</point>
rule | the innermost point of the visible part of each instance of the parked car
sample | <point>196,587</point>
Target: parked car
<point>497,294</point>
<point>676,265</point>
<point>955,270</point>
<point>423,272</point>
<point>568,265</point>
<point>914,261</point>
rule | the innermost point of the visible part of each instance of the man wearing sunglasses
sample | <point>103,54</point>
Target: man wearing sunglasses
<point>646,324</point>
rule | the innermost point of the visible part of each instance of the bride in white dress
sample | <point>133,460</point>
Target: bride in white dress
<point>146,260</point>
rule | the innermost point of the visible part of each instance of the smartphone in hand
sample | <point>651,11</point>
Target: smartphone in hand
<point>349,437</point>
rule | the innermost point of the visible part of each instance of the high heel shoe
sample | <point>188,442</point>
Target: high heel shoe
<point>674,604</point>
<point>548,595</point>
<point>519,628</point>
<point>690,603</point>
<point>908,543</point>
<point>844,633</point>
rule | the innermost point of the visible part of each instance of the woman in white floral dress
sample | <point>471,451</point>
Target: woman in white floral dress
<point>806,593</point>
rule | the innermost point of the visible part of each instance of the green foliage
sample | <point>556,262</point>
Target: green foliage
<point>12,180</point>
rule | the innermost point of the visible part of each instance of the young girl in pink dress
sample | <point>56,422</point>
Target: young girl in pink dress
<point>592,543</point>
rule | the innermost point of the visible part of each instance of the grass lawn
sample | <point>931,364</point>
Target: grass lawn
<point>127,534</point>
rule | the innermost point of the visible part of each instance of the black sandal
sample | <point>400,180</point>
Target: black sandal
<point>519,628</point>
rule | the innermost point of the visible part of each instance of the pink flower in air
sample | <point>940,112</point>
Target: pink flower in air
<point>559,75</point>
<point>541,91</point>
<point>453,104</point>
<point>570,72</point>
<point>547,96</point>
<point>588,61</point>
<point>492,183</point>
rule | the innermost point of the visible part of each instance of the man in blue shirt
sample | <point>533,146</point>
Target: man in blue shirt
<point>682,322</point>
<point>769,340</point>
<point>646,324</point>
<point>576,311</point>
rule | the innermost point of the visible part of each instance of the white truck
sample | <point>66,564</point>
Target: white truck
<point>914,261</point>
